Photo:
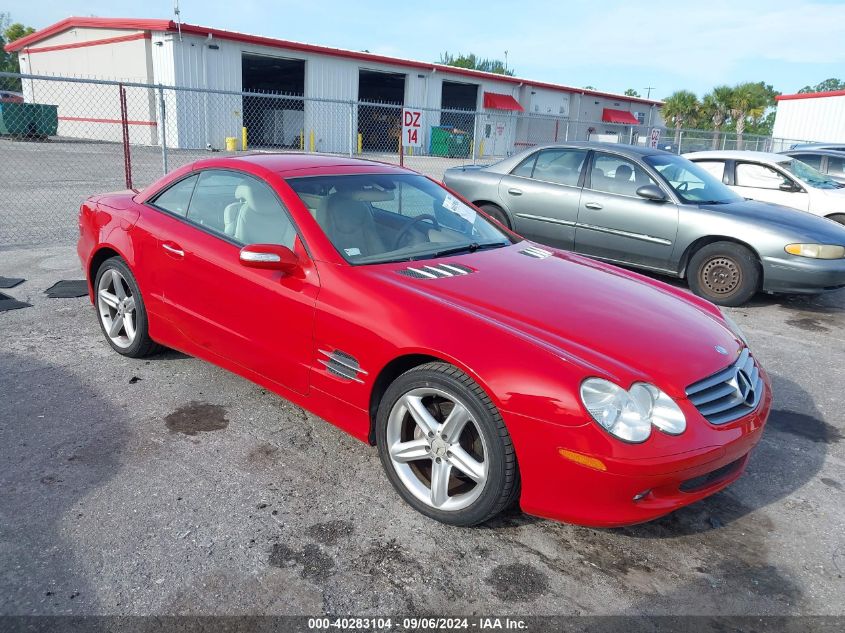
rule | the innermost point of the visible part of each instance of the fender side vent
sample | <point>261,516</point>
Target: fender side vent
<point>536,253</point>
<point>435,272</point>
<point>342,365</point>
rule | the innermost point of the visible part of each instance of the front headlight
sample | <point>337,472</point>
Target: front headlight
<point>733,327</point>
<point>816,251</point>
<point>629,415</point>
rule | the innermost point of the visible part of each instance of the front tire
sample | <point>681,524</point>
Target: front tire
<point>121,311</point>
<point>725,273</point>
<point>444,446</point>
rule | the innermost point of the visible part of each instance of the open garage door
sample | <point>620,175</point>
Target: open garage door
<point>459,96</point>
<point>273,121</point>
<point>381,96</point>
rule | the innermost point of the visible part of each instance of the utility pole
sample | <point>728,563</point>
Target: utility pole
<point>649,89</point>
<point>506,62</point>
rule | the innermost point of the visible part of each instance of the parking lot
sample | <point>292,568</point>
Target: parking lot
<point>169,486</point>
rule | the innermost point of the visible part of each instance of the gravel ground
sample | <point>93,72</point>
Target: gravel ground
<point>169,486</point>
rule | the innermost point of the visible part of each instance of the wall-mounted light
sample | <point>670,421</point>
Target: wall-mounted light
<point>214,47</point>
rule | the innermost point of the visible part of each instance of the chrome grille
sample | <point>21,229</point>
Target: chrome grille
<point>342,365</point>
<point>730,393</point>
<point>435,272</point>
<point>536,253</point>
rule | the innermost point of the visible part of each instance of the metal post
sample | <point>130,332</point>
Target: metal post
<point>680,140</point>
<point>474,134</point>
<point>124,121</point>
<point>353,137</point>
<point>162,127</point>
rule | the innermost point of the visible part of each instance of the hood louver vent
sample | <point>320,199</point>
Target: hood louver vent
<point>342,365</point>
<point>536,253</point>
<point>435,272</point>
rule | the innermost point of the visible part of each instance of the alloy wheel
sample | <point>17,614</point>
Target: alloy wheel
<point>116,306</point>
<point>437,449</point>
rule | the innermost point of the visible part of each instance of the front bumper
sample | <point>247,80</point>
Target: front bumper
<point>804,275</point>
<point>557,488</point>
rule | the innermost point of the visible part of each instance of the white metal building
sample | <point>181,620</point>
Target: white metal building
<point>818,116</point>
<point>325,80</point>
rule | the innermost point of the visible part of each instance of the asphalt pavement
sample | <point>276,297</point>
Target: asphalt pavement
<point>169,486</point>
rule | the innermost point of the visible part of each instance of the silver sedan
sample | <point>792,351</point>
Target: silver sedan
<point>657,211</point>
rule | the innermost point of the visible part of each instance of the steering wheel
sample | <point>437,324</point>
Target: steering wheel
<point>683,185</point>
<point>405,229</point>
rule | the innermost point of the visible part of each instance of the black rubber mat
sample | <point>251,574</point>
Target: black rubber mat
<point>10,282</point>
<point>68,288</point>
<point>10,303</point>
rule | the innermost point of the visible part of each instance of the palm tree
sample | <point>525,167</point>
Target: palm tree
<point>717,107</point>
<point>748,100</point>
<point>681,107</point>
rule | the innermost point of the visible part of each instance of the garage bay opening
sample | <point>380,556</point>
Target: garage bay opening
<point>381,96</point>
<point>274,121</point>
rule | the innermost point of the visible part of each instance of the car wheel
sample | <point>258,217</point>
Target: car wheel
<point>120,307</point>
<point>496,213</point>
<point>444,446</point>
<point>725,273</point>
<point>837,217</point>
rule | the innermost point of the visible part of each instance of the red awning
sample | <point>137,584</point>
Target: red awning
<point>496,101</point>
<point>609,115</point>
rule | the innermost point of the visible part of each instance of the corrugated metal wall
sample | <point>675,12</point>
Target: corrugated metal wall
<point>813,119</point>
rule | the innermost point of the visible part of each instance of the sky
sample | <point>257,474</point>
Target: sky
<point>610,45</point>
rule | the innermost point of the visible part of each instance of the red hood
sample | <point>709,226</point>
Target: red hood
<point>610,320</point>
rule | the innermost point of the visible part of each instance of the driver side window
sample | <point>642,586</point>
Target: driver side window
<point>759,176</point>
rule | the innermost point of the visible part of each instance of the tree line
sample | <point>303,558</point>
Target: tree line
<point>9,32</point>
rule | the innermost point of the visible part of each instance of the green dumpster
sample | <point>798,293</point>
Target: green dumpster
<point>449,141</point>
<point>37,120</point>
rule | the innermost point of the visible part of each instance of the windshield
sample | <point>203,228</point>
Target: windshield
<point>377,218</point>
<point>809,175</point>
<point>690,181</point>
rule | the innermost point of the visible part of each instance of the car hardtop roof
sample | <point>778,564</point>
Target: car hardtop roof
<point>290,163</point>
<point>815,150</point>
<point>621,148</point>
<point>738,154</point>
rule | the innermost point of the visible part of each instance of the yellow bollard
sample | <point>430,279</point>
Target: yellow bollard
<point>302,140</point>
<point>360,143</point>
<point>231,144</point>
<point>311,141</point>
<point>243,138</point>
<point>481,148</point>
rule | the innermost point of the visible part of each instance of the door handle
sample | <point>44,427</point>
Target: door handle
<point>514,191</point>
<point>170,247</point>
<point>593,205</point>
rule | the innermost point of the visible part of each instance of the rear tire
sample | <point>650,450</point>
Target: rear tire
<point>725,273</point>
<point>120,310</point>
<point>497,213</point>
<point>837,217</point>
<point>421,443</point>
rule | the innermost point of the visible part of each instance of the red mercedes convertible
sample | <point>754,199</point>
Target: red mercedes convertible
<point>485,368</point>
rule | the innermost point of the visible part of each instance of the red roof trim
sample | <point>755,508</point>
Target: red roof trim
<point>609,115</point>
<point>170,26</point>
<point>94,23</point>
<point>109,40</point>
<point>811,95</point>
<point>497,101</point>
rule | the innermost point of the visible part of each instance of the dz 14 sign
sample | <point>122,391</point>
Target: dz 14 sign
<point>411,128</point>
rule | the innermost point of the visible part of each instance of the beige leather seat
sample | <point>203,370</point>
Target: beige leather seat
<point>258,218</point>
<point>350,226</point>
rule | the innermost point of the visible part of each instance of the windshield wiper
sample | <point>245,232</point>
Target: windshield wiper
<point>465,248</point>
<point>714,201</point>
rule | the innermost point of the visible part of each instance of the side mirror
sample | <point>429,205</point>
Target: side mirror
<point>651,192</point>
<point>789,186</point>
<point>269,256</point>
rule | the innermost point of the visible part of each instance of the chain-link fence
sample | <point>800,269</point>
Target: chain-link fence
<point>63,139</point>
